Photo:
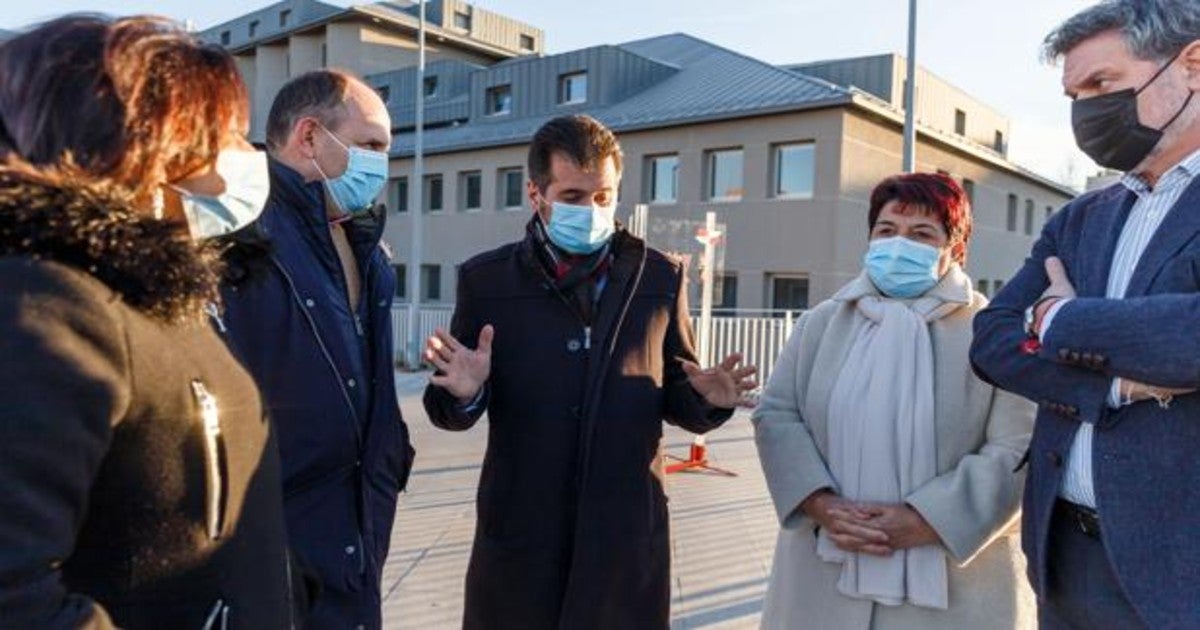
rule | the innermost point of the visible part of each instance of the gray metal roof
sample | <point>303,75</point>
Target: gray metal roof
<point>710,83</point>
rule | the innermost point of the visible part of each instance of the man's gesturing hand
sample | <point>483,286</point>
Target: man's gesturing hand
<point>724,386</point>
<point>462,371</point>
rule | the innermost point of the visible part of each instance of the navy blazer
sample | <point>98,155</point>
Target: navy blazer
<point>1146,460</point>
<point>326,372</point>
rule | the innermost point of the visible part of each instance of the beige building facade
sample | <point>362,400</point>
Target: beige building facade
<point>783,250</point>
<point>786,156</point>
<point>287,39</point>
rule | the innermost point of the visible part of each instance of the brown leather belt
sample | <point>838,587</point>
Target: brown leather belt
<point>1085,518</point>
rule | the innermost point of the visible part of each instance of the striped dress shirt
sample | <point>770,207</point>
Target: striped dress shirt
<point>1145,217</point>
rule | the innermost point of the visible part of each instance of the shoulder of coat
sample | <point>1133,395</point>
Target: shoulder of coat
<point>488,258</point>
<point>667,259</point>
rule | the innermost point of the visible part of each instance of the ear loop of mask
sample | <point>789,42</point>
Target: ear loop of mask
<point>314,159</point>
<point>1154,78</point>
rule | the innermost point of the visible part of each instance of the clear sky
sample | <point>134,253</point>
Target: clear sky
<point>989,49</point>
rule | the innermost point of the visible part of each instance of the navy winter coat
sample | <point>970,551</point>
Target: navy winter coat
<point>326,374</point>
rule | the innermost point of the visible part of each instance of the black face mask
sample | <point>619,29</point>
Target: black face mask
<point>1107,128</point>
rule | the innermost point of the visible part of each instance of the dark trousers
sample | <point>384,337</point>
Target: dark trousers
<point>1082,592</point>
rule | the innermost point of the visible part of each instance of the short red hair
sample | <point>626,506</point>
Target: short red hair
<point>930,193</point>
<point>137,101</point>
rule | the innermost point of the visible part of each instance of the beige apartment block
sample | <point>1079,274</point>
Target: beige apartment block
<point>787,161</point>
<point>289,38</point>
<point>785,155</point>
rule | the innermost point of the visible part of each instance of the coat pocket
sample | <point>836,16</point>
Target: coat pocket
<point>214,460</point>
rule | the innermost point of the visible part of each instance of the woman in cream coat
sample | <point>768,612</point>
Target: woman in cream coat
<point>891,465</point>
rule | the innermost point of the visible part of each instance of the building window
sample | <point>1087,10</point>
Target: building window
<point>431,282</point>
<point>462,20</point>
<point>727,299</point>
<point>224,38</point>
<point>1049,213</point>
<point>1029,216</point>
<point>960,122</point>
<point>324,55</point>
<point>572,88</point>
<point>385,93</point>
<point>499,100</point>
<point>725,175</point>
<point>527,42</point>
<point>398,194</point>
<point>253,28</point>
<point>431,86</point>
<point>996,286</point>
<point>969,189</point>
<point>998,142</point>
<point>788,292</point>
<point>794,170</point>
<point>471,186</point>
<point>512,188</point>
<point>663,182</point>
<point>1012,213</point>
<point>433,193</point>
<point>981,286</point>
<point>401,281</point>
<point>284,16</point>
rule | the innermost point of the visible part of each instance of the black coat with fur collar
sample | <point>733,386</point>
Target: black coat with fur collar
<point>139,482</point>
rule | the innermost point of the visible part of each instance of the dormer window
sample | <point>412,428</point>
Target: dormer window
<point>572,88</point>
<point>499,100</point>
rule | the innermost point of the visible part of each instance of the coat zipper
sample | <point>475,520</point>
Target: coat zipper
<point>220,610</point>
<point>215,313</point>
<point>324,350</point>
<point>214,464</point>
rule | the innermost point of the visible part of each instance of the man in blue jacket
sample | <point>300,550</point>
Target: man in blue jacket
<point>308,311</point>
<point>1101,327</point>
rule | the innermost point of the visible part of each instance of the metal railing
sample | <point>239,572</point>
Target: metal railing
<point>759,339</point>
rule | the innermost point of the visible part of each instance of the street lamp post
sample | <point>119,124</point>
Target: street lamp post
<point>910,88</point>
<point>416,208</point>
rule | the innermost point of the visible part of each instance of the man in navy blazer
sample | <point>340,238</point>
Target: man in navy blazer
<point>1101,327</point>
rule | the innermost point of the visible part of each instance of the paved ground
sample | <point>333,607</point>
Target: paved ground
<point>723,529</point>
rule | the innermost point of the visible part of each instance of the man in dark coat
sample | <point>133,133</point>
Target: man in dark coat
<point>582,347</point>
<point>310,317</point>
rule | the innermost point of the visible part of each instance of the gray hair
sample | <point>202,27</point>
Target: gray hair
<point>1153,29</point>
<point>319,94</point>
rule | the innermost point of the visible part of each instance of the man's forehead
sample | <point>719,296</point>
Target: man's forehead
<point>365,122</point>
<point>564,167</point>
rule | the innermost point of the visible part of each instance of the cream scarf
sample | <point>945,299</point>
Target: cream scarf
<point>882,438</point>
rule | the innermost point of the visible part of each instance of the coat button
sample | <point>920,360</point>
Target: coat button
<point>574,345</point>
<point>1075,357</point>
<point>1072,411</point>
<point>1055,458</point>
<point>309,303</point>
<point>349,550</point>
<point>352,383</point>
<point>1064,354</point>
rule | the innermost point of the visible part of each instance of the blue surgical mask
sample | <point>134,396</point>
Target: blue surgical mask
<point>581,229</point>
<point>366,173</point>
<point>247,185</point>
<point>902,268</point>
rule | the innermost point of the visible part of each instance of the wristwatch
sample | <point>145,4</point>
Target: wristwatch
<point>1031,313</point>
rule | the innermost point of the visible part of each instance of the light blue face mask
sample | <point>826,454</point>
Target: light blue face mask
<point>247,185</point>
<point>366,173</point>
<point>902,268</point>
<point>581,230</point>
